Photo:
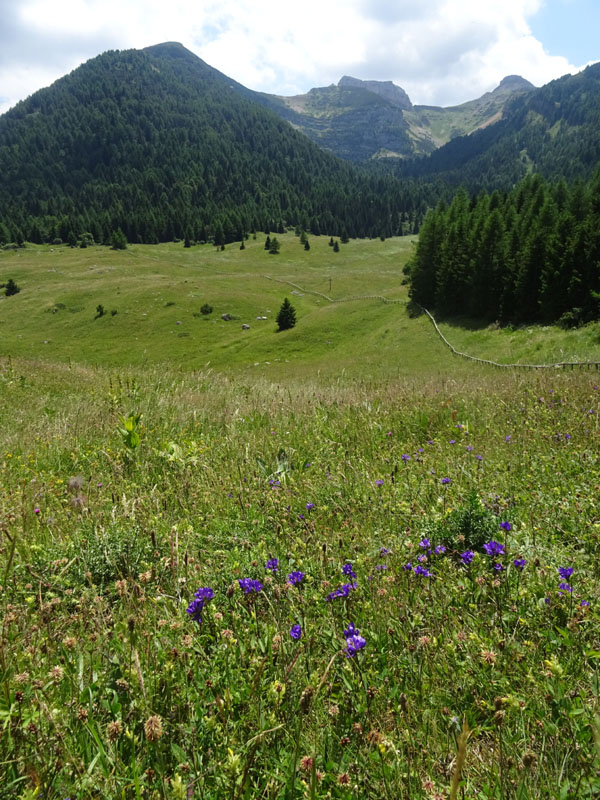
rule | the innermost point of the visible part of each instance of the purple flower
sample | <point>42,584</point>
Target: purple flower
<point>310,506</point>
<point>201,596</point>
<point>469,448</point>
<point>389,433</point>
<point>494,548</point>
<point>379,482</point>
<point>248,585</point>
<point>353,645</point>
<point>498,567</point>
<point>479,458</point>
<point>351,631</point>
<point>295,578</point>
<point>405,457</point>
<point>584,604</point>
<point>567,436</point>
<point>272,564</point>
<point>425,543</point>
<point>520,563</point>
<point>564,587</point>
<point>507,438</point>
<point>341,591</point>
<point>296,632</point>
<point>347,570</point>
<point>467,557</point>
<point>445,481</point>
<point>506,526</point>
<point>381,567</point>
<point>419,570</point>
<point>407,567</point>
<point>195,610</point>
<point>452,441</point>
<point>565,572</point>
<point>421,558</point>
<point>383,551</point>
<point>439,550</point>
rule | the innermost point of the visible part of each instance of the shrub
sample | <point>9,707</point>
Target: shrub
<point>206,309</point>
<point>11,288</point>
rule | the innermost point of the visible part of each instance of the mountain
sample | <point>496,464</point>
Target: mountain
<point>159,143</point>
<point>553,131</point>
<point>369,120</point>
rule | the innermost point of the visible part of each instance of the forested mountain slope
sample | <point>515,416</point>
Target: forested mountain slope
<point>160,144</point>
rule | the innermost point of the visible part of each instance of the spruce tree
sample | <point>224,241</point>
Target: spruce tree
<point>286,318</point>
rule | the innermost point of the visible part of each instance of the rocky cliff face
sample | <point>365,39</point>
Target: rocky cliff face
<point>386,89</point>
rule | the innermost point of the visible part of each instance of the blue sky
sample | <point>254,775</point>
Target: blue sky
<point>442,52</point>
<point>569,28</point>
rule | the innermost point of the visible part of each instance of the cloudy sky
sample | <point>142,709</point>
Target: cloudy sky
<point>441,52</point>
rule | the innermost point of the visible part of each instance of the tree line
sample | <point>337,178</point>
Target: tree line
<point>528,255</point>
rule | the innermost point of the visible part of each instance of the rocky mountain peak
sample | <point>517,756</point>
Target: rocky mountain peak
<point>386,89</point>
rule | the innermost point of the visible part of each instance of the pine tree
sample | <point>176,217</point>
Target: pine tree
<point>286,318</point>
<point>336,246</point>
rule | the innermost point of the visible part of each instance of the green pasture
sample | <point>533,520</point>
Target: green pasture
<point>157,292</point>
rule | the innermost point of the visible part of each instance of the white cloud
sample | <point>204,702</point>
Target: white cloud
<point>439,51</point>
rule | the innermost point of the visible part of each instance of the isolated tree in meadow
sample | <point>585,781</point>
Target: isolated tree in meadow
<point>118,240</point>
<point>306,245</point>
<point>11,288</point>
<point>268,243</point>
<point>336,246</point>
<point>286,318</point>
<point>274,248</point>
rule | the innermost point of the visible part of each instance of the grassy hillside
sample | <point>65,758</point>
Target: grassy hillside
<point>157,292</point>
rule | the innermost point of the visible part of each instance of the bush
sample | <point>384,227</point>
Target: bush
<point>206,309</point>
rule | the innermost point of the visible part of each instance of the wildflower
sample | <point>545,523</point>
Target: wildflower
<point>383,551</point>
<point>114,730</point>
<point>379,482</point>
<point>248,585</point>
<point>344,779</point>
<point>389,433</point>
<point>469,448</point>
<point>341,591</point>
<point>584,603</point>
<point>564,587</point>
<point>310,506</point>
<point>421,558</point>
<point>445,481</point>
<point>296,632</point>
<point>493,548</point>
<point>36,511</point>
<point>488,656</point>
<point>452,441</point>
<point>439,550</point>
<point>479,458</point>
<point>425,573</point>
<point>520,563</point>
<point>56,674</point>
<point>354,644</point>
<point>350,630</point>
<point>195,608</point>
<point>381,567</point>
<point>565,572</point>
<point>407,567</point>
<point>272,564</point>
<point>295,578</point>
<point>506,526</point>
<point>306,763</point>
<point>467,557</point>
<point>348,570</point>
<point>153,728</point>
<point>424,543</point>
<point>507,438</point>
<point>498,567</point>
<point>405,457</point>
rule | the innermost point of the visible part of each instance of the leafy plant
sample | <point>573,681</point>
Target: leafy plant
<point>129,431</point>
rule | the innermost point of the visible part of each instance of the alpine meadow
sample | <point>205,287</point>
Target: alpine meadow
<point>299,445</point>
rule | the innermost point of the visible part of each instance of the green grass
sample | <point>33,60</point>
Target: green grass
<point>108,689</point>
